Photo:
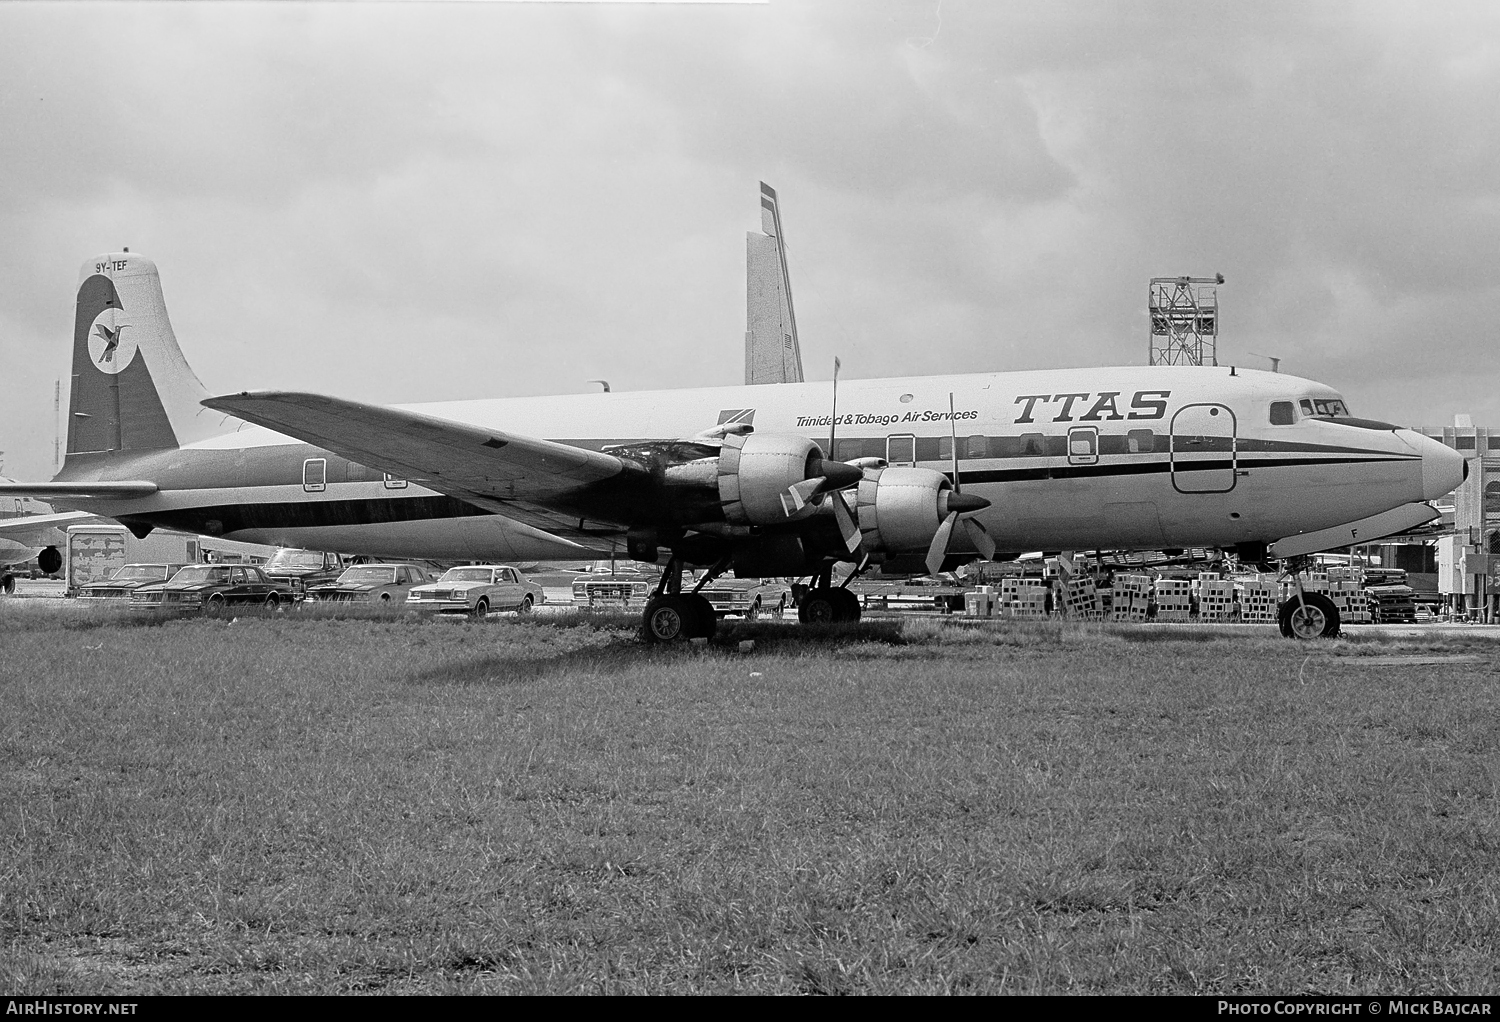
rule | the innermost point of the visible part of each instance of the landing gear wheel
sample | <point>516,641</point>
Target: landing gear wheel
<point>847,606</point>
<point>668,619</point>
<point>1312,617</point>
<point>481,609</point>
<point>705,622</point>
<point>818,607</point>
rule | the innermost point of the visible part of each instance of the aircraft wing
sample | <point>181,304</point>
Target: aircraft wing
<point>521,477</point>
<point>113,490</point>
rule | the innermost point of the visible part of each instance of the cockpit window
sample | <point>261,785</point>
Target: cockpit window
<point>1324,406</point>
<point>1283,413</point>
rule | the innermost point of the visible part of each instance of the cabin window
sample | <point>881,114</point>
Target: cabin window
<point>315,475</point>
<point>1140,441</point>
<point>945,448</point>
<point>850,449</point>
<point>1283,413</point>
<point>1083,445</point>
<point>978,447</point>
<point>1032,445</point>
<point>392,483</point>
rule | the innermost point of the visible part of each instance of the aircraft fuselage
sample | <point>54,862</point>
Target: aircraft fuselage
<point>1106,458</point>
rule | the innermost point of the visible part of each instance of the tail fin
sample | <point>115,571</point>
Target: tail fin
<point>132,389</point>
<point>772,352</point>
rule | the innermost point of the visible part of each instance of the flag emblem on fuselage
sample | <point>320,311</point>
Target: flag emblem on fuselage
<point>745,415</point>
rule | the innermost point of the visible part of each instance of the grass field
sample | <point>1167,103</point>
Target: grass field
<point>357,802</point>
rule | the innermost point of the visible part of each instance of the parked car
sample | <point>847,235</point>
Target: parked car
<point>126,580</point>
<point>748,597</point>
<point>371,583</point>
<point>299,570</point>
<point>617,587</point>
<point>476,590</point>
<point>212,588</point>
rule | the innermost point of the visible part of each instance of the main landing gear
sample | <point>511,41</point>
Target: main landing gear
<point>672,615</point>
<point>827,604</point>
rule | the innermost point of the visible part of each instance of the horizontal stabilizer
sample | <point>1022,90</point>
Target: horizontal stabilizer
<point>452,457</point>
<point>116,490</point>
<point>25,523</point>
<point>1366,530</point>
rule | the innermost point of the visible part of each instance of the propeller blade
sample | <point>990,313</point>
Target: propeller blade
<point>796,496</point>
<point>848,528</point>
<point>953,439</point>
<point>980,538</point>
<point>939,548</point>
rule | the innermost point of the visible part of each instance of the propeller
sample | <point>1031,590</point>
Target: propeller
<point>953,504</point>
<point>828,476</point>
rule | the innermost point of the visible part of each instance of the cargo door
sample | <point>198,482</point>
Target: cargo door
<point>1203,449</point>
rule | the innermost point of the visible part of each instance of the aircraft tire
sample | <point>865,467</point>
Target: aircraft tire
<point>1315,617</point>
<point>705,622</point>
<point>668,619</point>
<point>49,560</point>
<point>819,607</point>
<point>848,606</point>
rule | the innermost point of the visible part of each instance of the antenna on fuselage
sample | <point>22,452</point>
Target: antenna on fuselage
<point>1275,362</point>
<point>833,418</point>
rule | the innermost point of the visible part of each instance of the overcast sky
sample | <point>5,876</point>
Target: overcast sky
<point>406,202</point>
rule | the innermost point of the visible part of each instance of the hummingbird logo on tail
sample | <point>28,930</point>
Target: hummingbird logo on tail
<point>111,340</point>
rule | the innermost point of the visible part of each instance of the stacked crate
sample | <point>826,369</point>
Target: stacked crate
<point>1258,600</point>
<point>1081,598</point>
<point>1132,597</point>
<point>1216,600</point>
<point>1174,599</point>
<point>1023,598</point>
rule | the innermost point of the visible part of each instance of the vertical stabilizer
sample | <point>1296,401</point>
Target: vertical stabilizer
<point>132,390</point>
<point>772,352</point>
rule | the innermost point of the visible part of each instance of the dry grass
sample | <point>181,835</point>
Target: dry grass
<point>372,803</point>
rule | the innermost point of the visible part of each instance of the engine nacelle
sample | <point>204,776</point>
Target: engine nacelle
<point>899,509</point>
<point>755,470</point>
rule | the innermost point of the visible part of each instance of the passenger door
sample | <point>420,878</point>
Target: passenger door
<point>1203,449</point>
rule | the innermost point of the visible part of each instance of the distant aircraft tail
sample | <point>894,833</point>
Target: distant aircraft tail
<point>132,389</point>
<point>772,352</point>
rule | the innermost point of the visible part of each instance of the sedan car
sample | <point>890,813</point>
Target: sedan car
<point>476,590</point>
<point>371,583</point>
<point>212,588</point>
<point>127,580</point>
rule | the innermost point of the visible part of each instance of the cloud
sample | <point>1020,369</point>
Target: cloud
<point>409,202</point>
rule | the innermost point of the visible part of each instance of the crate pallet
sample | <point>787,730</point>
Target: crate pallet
<point>1132,598</point>
<point>1258,600</point>
<point>1174,599</point>
<point>1081,600</point>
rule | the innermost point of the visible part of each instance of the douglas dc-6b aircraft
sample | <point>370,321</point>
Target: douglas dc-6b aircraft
<point>778,480</point>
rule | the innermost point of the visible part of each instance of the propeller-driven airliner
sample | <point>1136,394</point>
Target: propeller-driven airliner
<point>783,480</point>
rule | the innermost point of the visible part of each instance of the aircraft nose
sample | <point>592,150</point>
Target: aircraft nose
<point>1443,468</point>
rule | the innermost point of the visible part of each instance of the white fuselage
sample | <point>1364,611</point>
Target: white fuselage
<point>1100,458</point>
